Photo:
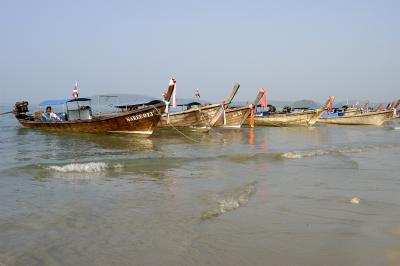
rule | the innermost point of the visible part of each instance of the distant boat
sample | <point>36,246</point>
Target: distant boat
<point>142,120</point>
<point>359,116</point>
<point>289,118</point>
<point>376,118</point>
<point>298,118</point>
<point>196,116</point>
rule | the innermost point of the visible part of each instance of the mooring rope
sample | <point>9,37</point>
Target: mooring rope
<point>180,132</point>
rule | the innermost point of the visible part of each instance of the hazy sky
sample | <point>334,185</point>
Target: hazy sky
<point>296,49</point>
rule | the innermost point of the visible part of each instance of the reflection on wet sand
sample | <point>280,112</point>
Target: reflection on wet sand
<point>251,136</point>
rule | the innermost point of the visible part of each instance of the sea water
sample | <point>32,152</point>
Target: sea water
<point>326,195</point>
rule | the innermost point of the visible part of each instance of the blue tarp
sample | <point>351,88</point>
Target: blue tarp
<point>310,108</point>
<point>332,114</point>
<point>337,106</point>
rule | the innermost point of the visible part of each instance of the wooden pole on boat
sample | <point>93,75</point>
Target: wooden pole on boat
<point>258,97</point>
<point>168,95</point>
<point>235,88</point>
<point>170,90</point>
<point>227,102</point>
<point>251,106</point>
<point>9,112</point>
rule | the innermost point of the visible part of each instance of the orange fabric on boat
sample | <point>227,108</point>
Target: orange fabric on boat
<point>251,115</point>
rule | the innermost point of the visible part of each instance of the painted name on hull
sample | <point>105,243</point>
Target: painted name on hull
<point>139,116</point>
<point>237,114</point>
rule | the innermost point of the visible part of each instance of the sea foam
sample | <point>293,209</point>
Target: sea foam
<point>92,167</point>
<point>231,200</point>
<point>302,154</point>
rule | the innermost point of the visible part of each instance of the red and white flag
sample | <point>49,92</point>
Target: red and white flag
<point>331,99</point>
<point>75,92</point>
<point>264,101</point>
<point>172,82</point>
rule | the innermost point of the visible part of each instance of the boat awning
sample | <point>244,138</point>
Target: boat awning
<point>53,102</point>
<point>189,104</point>
<point>135,104</point>
<point>62,101</point>
<point>79,100</point>
<point>153,102</point>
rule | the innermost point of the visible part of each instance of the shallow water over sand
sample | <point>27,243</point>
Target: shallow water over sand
<point>268,196</point>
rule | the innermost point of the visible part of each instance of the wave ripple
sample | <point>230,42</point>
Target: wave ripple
<point>231,200</point>
<point>92,167</point>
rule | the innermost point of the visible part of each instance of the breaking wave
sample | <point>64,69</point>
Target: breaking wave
<point>308,153</point>
<point>92,167</point>
<point>302,154</point>
<point>229,201</point>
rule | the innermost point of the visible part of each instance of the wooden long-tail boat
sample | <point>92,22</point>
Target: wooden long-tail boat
<point>302,117</point>
<point>376,118</point>
<point>356,116</point>
<point>235,117</point>
<point>201,117</point>
<point>142,120</point>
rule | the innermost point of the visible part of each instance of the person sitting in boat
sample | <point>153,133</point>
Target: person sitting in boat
<point>49,116</point>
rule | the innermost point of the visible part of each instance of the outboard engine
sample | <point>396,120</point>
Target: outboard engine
<point>287,109</point>
<point>271,108</point>
<point>20,109</point>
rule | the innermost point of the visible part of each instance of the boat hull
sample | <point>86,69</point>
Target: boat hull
<point>198,117</point>
<point>234,118</point>
<point>306,118</point>
<point>371,118</point>
<point>142,121</point>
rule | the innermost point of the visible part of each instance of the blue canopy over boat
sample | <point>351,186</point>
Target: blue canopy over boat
<point>79,100</point>
<point>189,104</point>
<point>62,101</point>
<point>53,102</point>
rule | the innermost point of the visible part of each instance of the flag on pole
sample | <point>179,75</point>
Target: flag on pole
<point>252,107</point>
<point>172,82</point>
<point>174,99</point>
<point>264,98</point>
<point>197,94</point>
<point>75,92</point>
<point>331,98</point>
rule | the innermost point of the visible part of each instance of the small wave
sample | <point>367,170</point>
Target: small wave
<point>302,154</point>
<point>335,150</point>
<point>229,201</point>
<point>118,165</point>
<point>92,167</point>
